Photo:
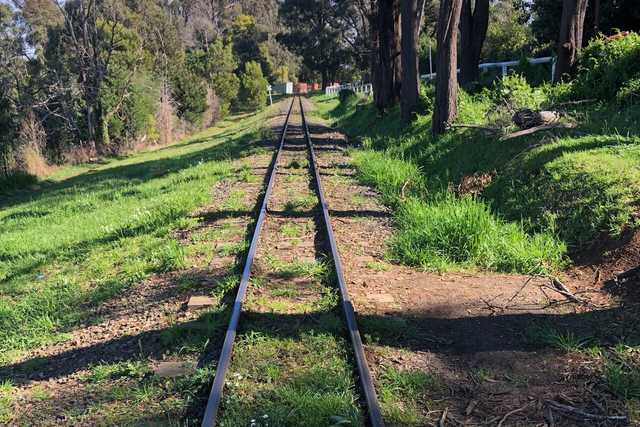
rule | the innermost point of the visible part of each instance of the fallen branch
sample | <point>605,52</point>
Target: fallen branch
<point>580,413</point>
<point>563,290</point>
<point>537,129</point>
<point>443,418</point>
<point>515,411</point>
<point>581,101</point>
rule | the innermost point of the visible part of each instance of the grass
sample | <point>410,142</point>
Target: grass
<point>91,231</point>
<point>546,195</point>
<point>303,381</point>
<point>403,393</point>
<point>462,232</point>
<point>298,268</point>
<point>6,401</point>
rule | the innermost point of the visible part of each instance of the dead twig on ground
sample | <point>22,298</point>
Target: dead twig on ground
<point>443,418</point>
<point>515,411</point>
<point>537,129</point>
<point>570,410</point>
<point>559,287</point>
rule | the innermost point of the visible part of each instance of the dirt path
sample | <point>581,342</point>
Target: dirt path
<point>458,349</point>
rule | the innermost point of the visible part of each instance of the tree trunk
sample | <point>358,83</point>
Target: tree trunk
<point>410,87</point>
<point>397,50</point>
<point>446,106</point>
<point>385,71</point>
<point>571,32</point>
<point>596,17</point>
<point>473,31</point>
<point>325,80</point>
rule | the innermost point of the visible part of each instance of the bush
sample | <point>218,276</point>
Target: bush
<point>190,92</point>
<point>427,98</point>
<point>347,95</point>
<point>254,86</point>
<point>629,93</point>
<point>514,90</point>
<point>605,66</point>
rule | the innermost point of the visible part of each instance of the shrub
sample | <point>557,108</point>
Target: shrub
<point>605,66</point>
<point>426,99</point>
<point>534,74</point>
<point>347,95</point>
<point>254,86</point>
<point>190,93</point>
<point>629,93</point>
<point>514,90</point>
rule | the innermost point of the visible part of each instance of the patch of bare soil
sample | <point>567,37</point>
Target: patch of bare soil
<point>130,327</point>
<point>483,335</point>
<point>610,265</point>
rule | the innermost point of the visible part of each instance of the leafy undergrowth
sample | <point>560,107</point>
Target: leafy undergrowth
<point>93,230</point>
<point>538,196</point>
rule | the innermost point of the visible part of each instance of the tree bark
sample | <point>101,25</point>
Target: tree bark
<point>410,88</point>
<point>385,69</point>
<point>473,32</point>
<point>571,32</point>
<point>596,17</point>
<point>446,106</point>
<point>397,50</point>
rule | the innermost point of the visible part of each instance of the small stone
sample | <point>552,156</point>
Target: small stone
<point>200,301</point>
<point>172,369</point>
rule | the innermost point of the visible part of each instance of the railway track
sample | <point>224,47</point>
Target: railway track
<point>367,389</point>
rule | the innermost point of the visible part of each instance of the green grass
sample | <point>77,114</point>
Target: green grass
<point>454,232</point>
<point>549,193</point>
<point>293,382</point>
<point>6,401</point>
<point>310,269</point>
<point>403,393</point>
<point>91,231</point>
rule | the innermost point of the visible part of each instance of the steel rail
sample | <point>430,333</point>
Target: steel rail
<point>213,404</point>
<point>366,381</point>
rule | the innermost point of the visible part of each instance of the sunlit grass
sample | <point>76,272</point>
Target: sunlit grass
<point>93,230</point>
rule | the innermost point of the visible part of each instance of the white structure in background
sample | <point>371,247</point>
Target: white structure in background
<point>366,88</point>
<point>504,66</point>
<point>283,88</point>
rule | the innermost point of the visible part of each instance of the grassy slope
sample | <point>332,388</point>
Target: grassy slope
<point>538,182</point>
<point>93,230</point>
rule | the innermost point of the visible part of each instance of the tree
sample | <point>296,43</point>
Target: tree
<point>446,105</point>
<point>315,34</point>
<point>508,36</point>
<point>412,11</point>
<point>388,56</point>
<point>474,22</point>
<point>216,65</point>
<point>571,32</point>
<point>254,86</point>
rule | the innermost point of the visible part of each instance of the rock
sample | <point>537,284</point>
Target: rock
<point>173,369</point>
<point>200,301</point>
